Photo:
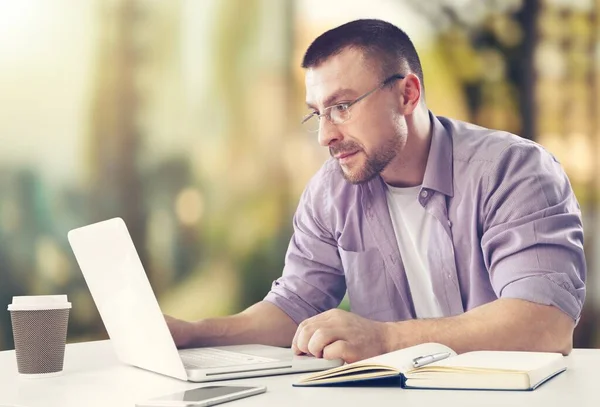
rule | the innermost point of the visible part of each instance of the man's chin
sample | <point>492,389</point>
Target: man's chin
<point>356,177</point>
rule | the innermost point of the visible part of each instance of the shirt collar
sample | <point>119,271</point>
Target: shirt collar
<point>438,172</point>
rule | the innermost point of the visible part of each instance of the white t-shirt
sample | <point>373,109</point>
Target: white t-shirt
<point>412,224</point>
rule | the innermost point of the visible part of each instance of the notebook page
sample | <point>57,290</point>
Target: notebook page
<point>498,360</point>
<point>402,359</point>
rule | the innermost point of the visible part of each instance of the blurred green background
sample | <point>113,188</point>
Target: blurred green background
<point>182,118</point>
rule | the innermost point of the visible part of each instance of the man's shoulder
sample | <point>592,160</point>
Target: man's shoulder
<point>476,144</point>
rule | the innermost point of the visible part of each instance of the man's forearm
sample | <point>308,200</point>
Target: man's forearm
<point>262,323</point>
<point>505,324</point>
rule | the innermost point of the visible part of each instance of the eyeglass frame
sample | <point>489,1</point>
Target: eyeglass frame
<point>327,110</point>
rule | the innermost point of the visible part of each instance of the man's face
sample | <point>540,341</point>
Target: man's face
<point>376,132</point>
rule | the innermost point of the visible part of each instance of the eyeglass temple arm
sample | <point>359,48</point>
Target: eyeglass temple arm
<point>392,78</point>
<point>385,82</point>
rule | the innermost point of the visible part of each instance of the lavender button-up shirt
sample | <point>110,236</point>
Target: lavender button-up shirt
<point>507,226</point>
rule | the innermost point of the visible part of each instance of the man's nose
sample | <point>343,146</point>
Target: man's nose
<point>328,132</point>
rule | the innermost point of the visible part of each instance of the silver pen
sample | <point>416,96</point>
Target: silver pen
<point>425,360</point>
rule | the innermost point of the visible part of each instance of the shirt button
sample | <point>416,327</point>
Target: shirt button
<point>424,193</point>
<point>449,223</point>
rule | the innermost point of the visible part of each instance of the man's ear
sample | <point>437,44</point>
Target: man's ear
<point>411,93</point>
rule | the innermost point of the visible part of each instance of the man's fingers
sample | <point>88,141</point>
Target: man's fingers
<point>306,329</point>
<point>340,349</point>
<point>295,348</point>
<point>303,338</point>
<point>319,340</point>
<point>303,334</point>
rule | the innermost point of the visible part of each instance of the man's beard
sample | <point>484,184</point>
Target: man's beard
<point>375,162</point>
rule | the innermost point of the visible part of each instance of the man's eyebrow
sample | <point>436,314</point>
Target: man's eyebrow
<point>334,97</point>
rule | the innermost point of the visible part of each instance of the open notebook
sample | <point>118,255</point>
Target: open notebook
<point>486,370</point>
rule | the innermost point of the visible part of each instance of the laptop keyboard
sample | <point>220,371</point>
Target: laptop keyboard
<point>210,357</point>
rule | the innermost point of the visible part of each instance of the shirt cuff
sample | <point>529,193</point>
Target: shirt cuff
<point>297,309</point>
<point>543,290</point>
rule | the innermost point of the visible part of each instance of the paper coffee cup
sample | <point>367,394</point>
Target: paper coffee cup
<point>40,331</point>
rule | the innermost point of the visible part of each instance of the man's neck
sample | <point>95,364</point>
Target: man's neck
<point>408,168</point>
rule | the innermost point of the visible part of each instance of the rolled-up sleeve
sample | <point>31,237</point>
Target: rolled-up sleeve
<point>313,278</point>
<point>532,238</point>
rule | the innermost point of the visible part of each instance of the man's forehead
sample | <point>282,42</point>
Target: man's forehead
<point>346,70</point>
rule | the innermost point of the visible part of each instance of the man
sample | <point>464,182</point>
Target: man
<point>440,231</point>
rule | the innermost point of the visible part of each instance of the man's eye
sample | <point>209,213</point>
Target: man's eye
<point>341,107</point>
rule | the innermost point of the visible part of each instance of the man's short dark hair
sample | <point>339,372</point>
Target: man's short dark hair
<point>381,42</point>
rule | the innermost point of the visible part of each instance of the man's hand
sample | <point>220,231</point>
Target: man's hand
<point>340,334</point>
<point>182,331</point>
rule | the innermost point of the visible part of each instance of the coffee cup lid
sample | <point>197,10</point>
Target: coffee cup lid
<point>39,302</point>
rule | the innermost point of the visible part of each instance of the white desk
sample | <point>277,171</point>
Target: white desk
<point>94,377</point>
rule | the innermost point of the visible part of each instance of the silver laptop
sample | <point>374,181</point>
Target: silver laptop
<point>136,326</point>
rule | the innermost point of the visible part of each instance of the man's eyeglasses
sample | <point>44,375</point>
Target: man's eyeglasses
<point>339,113</point>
